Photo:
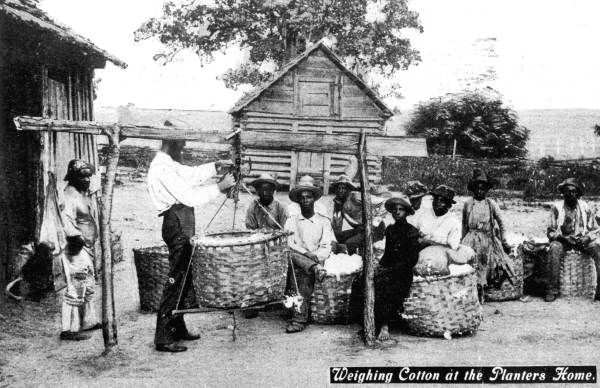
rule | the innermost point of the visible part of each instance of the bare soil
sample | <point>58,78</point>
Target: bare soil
<point>512,333</point>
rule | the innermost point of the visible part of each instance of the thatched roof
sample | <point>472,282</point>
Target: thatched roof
<point>241,104</point>
<point>26,11</point>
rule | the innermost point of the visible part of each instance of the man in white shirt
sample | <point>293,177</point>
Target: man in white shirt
<point>175,190</point>
<point>439,227</point>
<point>419,199</point>
<point>310,245</point>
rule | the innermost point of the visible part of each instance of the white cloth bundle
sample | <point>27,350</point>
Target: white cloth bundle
<point>342,264</point>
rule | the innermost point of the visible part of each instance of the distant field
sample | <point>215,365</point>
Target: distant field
<point>560,133</point>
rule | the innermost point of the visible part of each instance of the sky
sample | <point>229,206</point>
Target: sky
<point>540,54</point>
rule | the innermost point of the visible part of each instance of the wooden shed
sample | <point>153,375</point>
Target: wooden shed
<point>314,92</point>
<point>46,70</point>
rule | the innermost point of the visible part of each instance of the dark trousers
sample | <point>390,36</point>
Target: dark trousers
<point>354,238</point>
<point>177,228</point>
<point>556,252</point>
<point>305,279</point>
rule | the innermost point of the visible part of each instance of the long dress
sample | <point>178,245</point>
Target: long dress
<point>483,230</point>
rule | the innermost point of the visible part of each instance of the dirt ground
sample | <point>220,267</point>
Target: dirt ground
<point>512,333</point>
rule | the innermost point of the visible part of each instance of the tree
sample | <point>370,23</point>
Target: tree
<point>478,121</point>
<point>366,34</point>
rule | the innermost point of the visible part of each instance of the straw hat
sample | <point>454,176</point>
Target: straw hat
<point>444,192</point>
<point>400,200</point>
<point>306,183</point>
<point>264,178</point>
<point>344,180</point>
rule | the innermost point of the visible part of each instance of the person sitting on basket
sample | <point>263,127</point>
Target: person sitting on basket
<point>483,230</point>
<point>310,245</point>
<point>174,190</point>
<point>393,282</point>
<point>570,226</point>
<point>266,212</point>
<point>441,228</point>
<point>347,215</point>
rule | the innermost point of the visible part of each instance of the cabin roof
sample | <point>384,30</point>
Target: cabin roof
<point>27,12</point>
<point>246,100</point>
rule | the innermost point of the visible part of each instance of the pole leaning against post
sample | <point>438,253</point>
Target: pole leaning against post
<point>368,267</point>
<point>109,321</point>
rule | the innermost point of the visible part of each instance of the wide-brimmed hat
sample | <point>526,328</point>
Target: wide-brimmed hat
<point>306,183</point>
<point>415,189</point>
<point>401,200</point>
<point>344,180</point>
<point>76,166</point>
<point>445,192</point>
<point>479,176</point>
<point>572,182</point>
<point>264,178</point>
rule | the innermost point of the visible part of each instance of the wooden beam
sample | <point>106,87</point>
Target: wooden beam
<point>27,123</point>
<point>334,143</point>
<point>368,265</point>
<point>376,145</point>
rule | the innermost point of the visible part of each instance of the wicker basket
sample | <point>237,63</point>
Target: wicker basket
<point>152,267</point>
<point>577,275</point>
<point>507,290</point>
<point>250,270</point>
<point>330,301</point>
<point>437,305</point>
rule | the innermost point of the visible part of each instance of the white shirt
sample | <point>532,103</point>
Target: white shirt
<point>444,230</point>
<point>310,235</point>
<point>170,183</point>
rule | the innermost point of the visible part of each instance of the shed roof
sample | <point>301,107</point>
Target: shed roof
<point>242,103</point>
<point>27,12</point>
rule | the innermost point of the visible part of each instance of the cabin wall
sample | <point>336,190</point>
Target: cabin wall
<point>20,86</point>
<point>314,96</point>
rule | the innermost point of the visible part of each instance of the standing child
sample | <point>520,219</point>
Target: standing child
<point>483,230</point>
<point>393,282</point>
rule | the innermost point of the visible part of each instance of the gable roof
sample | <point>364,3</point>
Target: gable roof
<point>242,103</point>
<point>27,12</point>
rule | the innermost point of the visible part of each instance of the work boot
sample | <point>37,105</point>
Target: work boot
<point>73,336</point>
<point>187,336</point>
<point>171,348</point>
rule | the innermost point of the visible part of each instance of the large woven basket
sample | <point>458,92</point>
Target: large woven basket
<point>437,305</point>
<point>508,290</point>
<point>577,275</point>
<point>152,267</point>
<point>238,269</point>
<point>330,301</point>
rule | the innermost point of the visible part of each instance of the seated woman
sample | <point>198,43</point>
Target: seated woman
<point>393,282</point>
<point>483,230</point>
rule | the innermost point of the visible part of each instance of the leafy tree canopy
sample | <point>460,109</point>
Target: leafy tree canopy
<point>367,34</point>
<point>479,122</point>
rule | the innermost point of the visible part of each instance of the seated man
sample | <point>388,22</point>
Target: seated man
<point>267,212</point>
<point>570,226</point>
<point>310,246</point>
<point>347,215</point>
<point>439,227</point>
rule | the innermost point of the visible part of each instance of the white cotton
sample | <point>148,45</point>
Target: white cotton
<point>515,239</point>
<point>342,264</point>
<point>539,240</point>
<point>456,270</point>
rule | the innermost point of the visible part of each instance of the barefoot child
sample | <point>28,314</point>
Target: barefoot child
<point>393,282</point>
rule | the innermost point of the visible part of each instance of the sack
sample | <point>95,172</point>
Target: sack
<point>52,233</point>
<point>433,261</point>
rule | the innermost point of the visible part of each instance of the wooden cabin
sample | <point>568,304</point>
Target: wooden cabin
<point>46,70</point>
<point>314,92</point>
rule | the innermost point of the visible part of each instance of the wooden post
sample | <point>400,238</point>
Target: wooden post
<point>368,267</point>
<point>109,320</point>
